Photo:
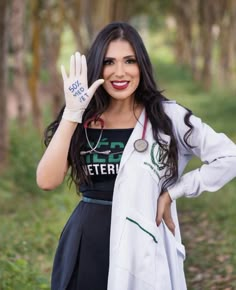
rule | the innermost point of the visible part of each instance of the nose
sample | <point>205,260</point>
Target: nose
<point>119,70</point>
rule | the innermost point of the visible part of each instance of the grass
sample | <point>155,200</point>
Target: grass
<point>31,220</point>
<point>30,226</point>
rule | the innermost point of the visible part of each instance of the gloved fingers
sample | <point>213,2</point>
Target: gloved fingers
<point>77,65</point>
<point>72,66</point>
<point>94,87</point>
<point>83,70</point>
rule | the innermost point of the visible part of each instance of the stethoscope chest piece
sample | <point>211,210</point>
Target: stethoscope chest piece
<point>140,145</point>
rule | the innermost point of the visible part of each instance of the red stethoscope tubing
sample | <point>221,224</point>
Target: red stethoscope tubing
<point>94,118</point>
<point>145,127</point>
<point>140,145</point>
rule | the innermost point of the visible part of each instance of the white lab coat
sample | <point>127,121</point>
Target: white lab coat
<point>142,255</point>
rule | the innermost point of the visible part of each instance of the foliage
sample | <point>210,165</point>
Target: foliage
<point>24,153</point>
<point>20,274</point>
<point>30,228</point>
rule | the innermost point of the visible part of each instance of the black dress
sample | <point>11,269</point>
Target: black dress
<point>82,257</point>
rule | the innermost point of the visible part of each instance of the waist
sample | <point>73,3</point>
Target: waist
<point>106,185</point>
<point>99,190</point>
<point>96,201</point>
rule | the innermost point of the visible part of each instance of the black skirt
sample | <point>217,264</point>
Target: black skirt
<point>82,257</point>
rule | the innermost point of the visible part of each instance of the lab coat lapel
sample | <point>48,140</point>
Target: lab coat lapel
<point>136,134</point>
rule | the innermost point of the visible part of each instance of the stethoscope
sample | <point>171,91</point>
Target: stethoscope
<point>140,145</point>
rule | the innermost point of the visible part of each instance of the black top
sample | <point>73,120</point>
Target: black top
<point>103,168</point>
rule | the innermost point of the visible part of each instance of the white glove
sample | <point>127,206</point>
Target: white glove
<point>77,93</point>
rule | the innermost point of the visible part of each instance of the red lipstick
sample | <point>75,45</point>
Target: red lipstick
<point>120,85</point>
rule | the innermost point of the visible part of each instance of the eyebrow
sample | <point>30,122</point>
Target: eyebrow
<point>125,57</point>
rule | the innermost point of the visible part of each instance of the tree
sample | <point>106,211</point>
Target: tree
<point>3,83</point>
<point>185,15</point>
<point>227,24</point>
<point>18,52</point>
<point>206,20</point>
<point>52,20</point>
<point>86,17</point>
<point>35,68</point>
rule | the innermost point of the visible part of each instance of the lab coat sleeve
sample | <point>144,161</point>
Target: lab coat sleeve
<point>216,151</point>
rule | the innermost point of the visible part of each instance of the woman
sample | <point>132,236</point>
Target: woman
<point>126,146</point>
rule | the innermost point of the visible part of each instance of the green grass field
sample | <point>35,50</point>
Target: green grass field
<point>31,220</point>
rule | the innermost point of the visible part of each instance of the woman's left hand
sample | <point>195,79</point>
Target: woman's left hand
<point>164,211</point>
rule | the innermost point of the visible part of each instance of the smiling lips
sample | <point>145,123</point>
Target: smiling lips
<point>120,85</point>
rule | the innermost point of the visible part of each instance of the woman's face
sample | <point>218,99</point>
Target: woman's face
<point>120,70</point>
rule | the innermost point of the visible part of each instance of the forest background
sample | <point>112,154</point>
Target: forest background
<point>192,45</point>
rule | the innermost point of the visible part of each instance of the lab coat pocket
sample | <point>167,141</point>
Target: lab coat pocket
<point>172,243</point>
<point>176,255</point>
<point>141,253</point>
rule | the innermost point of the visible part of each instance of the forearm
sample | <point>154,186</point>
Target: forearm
<point>210,177</point>
<point>53,166</point>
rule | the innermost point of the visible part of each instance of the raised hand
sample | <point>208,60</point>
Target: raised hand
<point>77,93</point>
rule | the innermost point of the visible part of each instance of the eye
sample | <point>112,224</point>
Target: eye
<point>107,62</point>
<point>131,61</point>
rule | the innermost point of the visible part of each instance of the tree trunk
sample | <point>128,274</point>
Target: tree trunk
<point>35,69</point>
<point>206,21</point>
<point>185,14</point>
<point>53,26</point>
<point>122,10</point>
<point>72,14</point>
<point>227,42</point>
<point>3,83</point>
<point>17,43</point>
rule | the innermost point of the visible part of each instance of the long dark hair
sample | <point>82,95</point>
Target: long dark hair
<point>146,94</point>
